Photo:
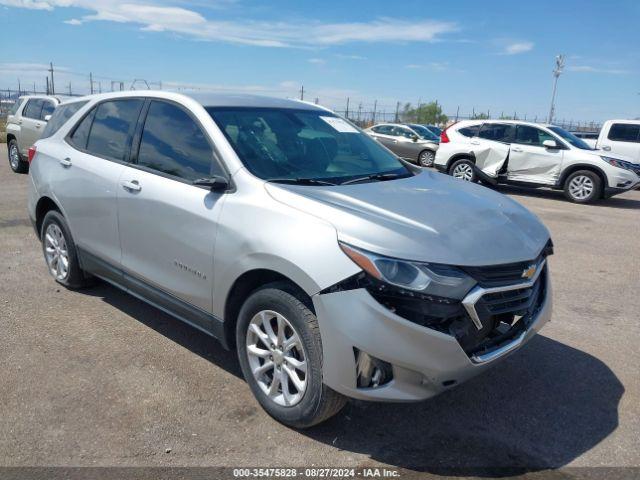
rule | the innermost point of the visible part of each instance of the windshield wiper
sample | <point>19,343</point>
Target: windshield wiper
<point>381,177</point>
<point>301,181</point>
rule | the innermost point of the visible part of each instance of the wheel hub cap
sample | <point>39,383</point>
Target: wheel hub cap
<point>277,358</point>
<point>581,187</point>
<point>14,157</point>
<point>463,172</point>
<point>56,253</point>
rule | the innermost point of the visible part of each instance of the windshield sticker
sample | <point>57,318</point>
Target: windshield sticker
<point>339,124</point>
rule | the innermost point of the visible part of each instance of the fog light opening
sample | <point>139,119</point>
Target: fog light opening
<point>448,383</point>
<point>371,372</point>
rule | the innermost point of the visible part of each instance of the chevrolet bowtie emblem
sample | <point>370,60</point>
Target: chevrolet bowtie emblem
<point>529,272</point>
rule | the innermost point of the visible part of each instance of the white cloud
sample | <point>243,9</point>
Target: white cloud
<point>592,69</point>
<point>433,66</point>
<point>155,15</point>
<point>317,61</point>
<point>73,21</point>
<point>350,57</point>
<point>518,47</point>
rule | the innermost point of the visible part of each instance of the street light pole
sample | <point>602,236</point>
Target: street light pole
<point>556,73</point>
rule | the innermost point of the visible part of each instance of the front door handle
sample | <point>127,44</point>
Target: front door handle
<point>133,186</point>
<point>38,125</point>
<point>475,142</point>
<point>606,148</point>
<point>516,149</point>
<point>66,162</point>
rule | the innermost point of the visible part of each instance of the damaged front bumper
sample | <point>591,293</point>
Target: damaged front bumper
<point>424,361</point>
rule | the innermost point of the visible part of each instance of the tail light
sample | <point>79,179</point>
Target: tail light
<point>31,154</point>
<point>444,137</point>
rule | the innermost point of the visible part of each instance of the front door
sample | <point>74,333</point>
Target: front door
<point>530,161</point>
<point>167,225</point>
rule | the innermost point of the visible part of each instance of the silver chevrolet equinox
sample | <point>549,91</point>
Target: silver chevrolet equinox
<point>335,269</point>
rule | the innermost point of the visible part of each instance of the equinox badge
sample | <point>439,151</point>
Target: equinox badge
<point>530,272</point>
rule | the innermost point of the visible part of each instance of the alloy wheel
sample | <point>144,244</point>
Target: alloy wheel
<point>14,156</point>
<point>426,158</point>
<point>277,358</point>
<point>463,171</point>
<point>56,252</point>
<point>581,187</point>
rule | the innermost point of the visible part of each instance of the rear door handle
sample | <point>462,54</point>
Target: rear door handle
<point>133,186</point>
<point>516,149</point>
<point>606,148</point>
<point>66,162</point>
<point>474,143</point>
<point>38,125</point>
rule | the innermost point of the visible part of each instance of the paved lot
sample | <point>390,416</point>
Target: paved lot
<point>99,378</point>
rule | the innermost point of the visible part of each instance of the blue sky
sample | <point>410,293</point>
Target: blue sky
<point>491,55</point>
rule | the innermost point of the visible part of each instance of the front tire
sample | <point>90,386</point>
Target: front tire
<point>463,169</point>
<point>426,158</point>
<point>583,186</point>
<point>60,252</point>
<point>17,164</point>
<point>280,353</point>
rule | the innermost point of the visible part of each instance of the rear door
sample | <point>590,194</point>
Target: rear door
<point>31,124</point>
<point>168,225</point>
<point>491,146</point>
<point>405,145</point>
<point>623,139</point>
<point>88,177</point>
<point>530,161</point>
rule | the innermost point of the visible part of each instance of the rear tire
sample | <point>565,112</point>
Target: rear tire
<point>60,252</point>
<point>277,334</point>
<point>426,158</point>
<point>17,164</point>
<point>463,169</point>
<point>583,186</point>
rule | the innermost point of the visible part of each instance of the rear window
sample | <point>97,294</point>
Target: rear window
<point>47,109</point>
<point>60,116</point>
<point>470,131</point>
<point>498,132</point>
<point>624,132</point>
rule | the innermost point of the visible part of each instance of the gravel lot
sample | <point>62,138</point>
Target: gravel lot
<point>98,378</point>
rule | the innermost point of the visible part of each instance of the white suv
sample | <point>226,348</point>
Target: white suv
<point>529,154</point>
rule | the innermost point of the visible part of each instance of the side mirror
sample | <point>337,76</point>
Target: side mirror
<point>550,144</point>
<point>47,118</point>
<point>415,138</point>
<point>215,183</point>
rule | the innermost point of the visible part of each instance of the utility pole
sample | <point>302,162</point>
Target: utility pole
<point>302,92</point>
<point>375,106</point>
<point>18,87</point>
<point>91,83</point>
<point>69,88</point>
<point>556,73</point>
<point>397,112</point>
<point>346,113</point>
<point>53,88</point>
<point>47,79</point>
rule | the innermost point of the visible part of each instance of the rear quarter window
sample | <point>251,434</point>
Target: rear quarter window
<point>470,131</point>
<point>624,132</point>
<point>60,116</point>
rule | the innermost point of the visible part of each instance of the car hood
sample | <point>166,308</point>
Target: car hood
<point>429,217</point>
<point>603,153</point>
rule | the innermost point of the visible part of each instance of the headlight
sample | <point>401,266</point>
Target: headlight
<point>433,279</point>
<point>621,163</point>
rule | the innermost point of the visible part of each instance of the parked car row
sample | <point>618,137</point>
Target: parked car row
<point>534,155</point>
<point>288,234</point>
<point>413,142</point>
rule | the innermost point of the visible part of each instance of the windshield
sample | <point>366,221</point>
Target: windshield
<point>425,133</point>
<point>571,138</point>
<point>280,144</point>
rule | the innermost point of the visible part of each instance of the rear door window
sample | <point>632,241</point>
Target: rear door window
<point>33,109</point>
<point>80,135</point>
<point>60,116</point>
<point>624,132</point>
<point>498,132</point>
<point>112,128</point>
<point>174,144</point>
<point>47,109</point>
